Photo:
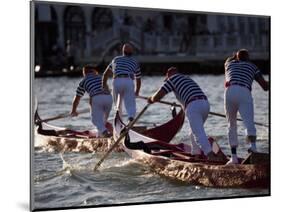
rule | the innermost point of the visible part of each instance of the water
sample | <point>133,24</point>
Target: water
<point>68,180</point>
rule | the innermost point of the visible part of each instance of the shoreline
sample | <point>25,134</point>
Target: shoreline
<point>158,68</point>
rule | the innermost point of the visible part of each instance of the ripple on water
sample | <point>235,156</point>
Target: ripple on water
<point>120,179</point>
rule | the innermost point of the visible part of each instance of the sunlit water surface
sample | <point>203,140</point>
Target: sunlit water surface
<point>68,180</point>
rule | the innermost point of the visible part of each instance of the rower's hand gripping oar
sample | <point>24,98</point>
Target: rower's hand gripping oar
<point>212,113</point>
<point>123,134</point>
<point>64,115</point>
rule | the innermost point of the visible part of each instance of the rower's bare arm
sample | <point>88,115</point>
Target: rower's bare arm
<point>138,86</point>
<point>75,104</point>
<point>263,83</point>
<point>157,96</point>
<point>107,73</point>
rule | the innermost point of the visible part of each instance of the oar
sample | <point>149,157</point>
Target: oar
<point>212,113</point>
<point>160,101</point>
<point>129,126</point>
<point>64,115</point>
<point>222,115</point>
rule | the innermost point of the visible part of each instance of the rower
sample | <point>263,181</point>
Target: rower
<point>100,99</point>
<point>239,76</point>
<point>196,107</point>
<point>125,69</point>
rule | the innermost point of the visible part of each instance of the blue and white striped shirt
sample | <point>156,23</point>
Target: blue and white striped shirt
<point>92,84</point>
<point>125,65</point>
<point>241,72</point>
<point>184,88</point>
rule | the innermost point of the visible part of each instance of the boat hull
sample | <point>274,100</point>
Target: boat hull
<point>226,176</point>
<point>66,144</point>
<point>86,141</point>
<point>204,173</point>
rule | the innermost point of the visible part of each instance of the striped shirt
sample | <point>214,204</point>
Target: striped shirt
<point>90,83</point>
<point>125,65</point>
<point>184,88</point>
<point>241,72</point>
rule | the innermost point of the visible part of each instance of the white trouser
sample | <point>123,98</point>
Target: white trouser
<point>126,88</point>
<point>101,107</point>
<point>238,98</point>
<point>197,113</point>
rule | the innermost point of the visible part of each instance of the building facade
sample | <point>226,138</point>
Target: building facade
<point>95,31</point>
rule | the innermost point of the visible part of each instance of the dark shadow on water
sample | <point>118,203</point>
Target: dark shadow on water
<point>24,206</point>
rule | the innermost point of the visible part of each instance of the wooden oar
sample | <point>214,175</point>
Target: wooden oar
<point>64,115</point>
<point>129,126</point>
<point>160,101</point>
<point>222,115</point>
<point>212,113</point>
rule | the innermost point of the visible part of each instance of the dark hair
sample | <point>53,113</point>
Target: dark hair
<point>127,49</point>
<point>243,55</point>
<point>128,53</point>
<point>89,68</point>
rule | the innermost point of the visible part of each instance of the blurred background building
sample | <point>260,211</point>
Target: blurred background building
<point>67,35</point>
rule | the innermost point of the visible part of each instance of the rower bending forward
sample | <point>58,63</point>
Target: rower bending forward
<point>125,69</point>
<point>100,99</point>
<point>239,76</point>
<point>196,108</point>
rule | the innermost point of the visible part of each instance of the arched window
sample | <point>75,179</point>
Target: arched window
<point>192,23</point>
<point>74,25</point>
<point>252,25</point>
<point>202,24</point>
<point>46,31</point>
<point>45,13</point>
<point>263,25</point>
<point>115,48</point>
<point>241,25</point>
<point>168,21</point>
<point>230,24</point>
<point>102,18</point>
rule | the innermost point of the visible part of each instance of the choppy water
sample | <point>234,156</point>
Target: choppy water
<point>70,181</point>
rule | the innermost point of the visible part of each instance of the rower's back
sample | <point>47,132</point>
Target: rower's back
<point>184,87</point>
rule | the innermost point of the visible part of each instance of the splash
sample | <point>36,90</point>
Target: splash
<point>65,165</point>
<point>122,163</point>
<point>67,169</point>
<point>81,145</point>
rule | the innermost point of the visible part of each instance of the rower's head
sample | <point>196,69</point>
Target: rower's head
<point>127,49</point>
<point>171,71</point>
<point>242,55</point>
<point>87,69</point>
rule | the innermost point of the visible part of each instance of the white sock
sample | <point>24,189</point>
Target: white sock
<point>253,146</point>
<point>234,157</point>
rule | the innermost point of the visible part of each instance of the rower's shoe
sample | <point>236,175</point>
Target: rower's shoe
<point>130,119</point>
<point>232,160</point>
<point>252,150</point>
<point>195,151</point>
<point>106,134</point>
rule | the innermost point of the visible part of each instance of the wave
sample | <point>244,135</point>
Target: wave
<point>42,178</point>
